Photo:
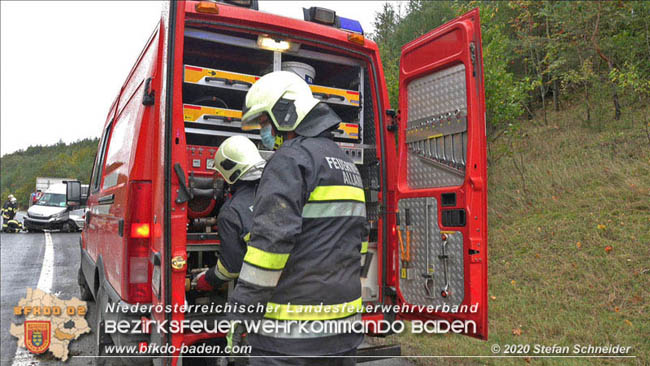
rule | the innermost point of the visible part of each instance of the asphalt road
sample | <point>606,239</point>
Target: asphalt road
<point>21,264</point>
<point>21,257</point>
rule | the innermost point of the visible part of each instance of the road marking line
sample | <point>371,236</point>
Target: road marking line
<point>23,357</point>
<point>47,269</point>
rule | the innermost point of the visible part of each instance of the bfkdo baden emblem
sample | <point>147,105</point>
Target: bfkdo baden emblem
<point>37,335</point>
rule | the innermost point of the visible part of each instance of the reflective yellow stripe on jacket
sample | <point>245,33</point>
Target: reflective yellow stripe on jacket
<point>262,268</point>
<point>223,273</point>
<point>363,251</point>
<point>364,247</point>
<point>335,201</point>
<point>337,193</point>
<point>264,259</point>
<point>313,312</point>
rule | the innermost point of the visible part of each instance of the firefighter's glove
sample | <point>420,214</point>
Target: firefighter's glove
<point>202,283</point>
<point>235,338</point>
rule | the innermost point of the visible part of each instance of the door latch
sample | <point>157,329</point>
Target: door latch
<point>149,97</point>
<point>472,56</point>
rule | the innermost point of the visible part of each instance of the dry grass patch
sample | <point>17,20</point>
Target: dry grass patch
<point>569,227</point>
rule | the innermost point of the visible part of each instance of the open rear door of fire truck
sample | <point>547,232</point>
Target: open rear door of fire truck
<point>441,231</point>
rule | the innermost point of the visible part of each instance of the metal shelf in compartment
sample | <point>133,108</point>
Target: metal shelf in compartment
<point>218,78</point>
<point>203,120</point>
<point>222,79</point>
<point>214,116</point>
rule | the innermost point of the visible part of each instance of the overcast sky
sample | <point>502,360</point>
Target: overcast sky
<point>64,62</point>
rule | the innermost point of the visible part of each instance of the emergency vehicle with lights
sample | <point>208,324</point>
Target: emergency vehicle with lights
<point>153,200</point>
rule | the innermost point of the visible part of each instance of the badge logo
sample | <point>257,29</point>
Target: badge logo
<point>37,335</point>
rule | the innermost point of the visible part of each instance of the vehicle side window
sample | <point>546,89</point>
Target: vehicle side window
<point>89,189</point>
<point>99,162</point>
<point>120,144</point>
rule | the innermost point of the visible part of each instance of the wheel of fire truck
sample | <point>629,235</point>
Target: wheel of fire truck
<point>69,227</point>
<point>102,339</point>
<point>84,289</point>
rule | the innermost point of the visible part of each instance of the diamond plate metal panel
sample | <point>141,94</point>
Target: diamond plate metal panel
<point>437,94</point>
<point>436,126</point>
<point>437,106</point>
<point>423,175</point>
<point>413,289</point>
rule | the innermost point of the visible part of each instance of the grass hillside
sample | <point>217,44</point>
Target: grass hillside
<point>569,242</point>
<point>18,170</point>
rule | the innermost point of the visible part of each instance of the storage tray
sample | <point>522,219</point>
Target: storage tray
<point>236,81</point>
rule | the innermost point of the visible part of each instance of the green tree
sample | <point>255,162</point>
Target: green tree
<point>386,24</point>
<point>393,31</point>
<point>505,95</point>
<point>20,169</point>
<point>535,51</point>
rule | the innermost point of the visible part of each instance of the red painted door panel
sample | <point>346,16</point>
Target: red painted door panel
<point>441,254</point>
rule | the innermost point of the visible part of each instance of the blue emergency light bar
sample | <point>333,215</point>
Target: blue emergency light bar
<point>351,25</point>
<point>328,17</point>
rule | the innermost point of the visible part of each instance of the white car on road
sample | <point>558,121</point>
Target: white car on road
<point>51,212</point>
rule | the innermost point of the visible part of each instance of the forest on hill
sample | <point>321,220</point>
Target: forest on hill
<point>539,55</point>
<point>20,169</point>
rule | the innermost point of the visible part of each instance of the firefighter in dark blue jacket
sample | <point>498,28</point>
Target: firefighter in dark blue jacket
<point>9,209</point>
<point>241,165</point>
<point>308,226</point>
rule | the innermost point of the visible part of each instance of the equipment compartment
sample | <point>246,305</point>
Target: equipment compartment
<point>219,68</point>
<point>216,81</point>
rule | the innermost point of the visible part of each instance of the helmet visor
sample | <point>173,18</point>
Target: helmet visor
<point>255,121</point>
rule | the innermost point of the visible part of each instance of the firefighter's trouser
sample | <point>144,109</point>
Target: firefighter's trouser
<point>5,221</point>
<point>266,358</point>
<point>11,226</point>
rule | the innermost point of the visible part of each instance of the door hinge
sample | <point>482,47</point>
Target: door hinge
<point>382,211</point>
<point>472,56</point>
<point>184,193</point>
<point>394,120</point>
<point>149,95</point>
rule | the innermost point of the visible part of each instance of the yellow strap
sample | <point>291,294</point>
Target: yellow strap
<point>222,269</point>
<point>313,312</point>
<point>337,193</point>
<point>364,247</point>
<point>267,260</point>
<point>247,238</point>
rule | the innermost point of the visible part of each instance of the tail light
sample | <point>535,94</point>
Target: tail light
<point>140,230</point>
<point>138,242</point>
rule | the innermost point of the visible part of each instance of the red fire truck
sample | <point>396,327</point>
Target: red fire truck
<point>153,200</point>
